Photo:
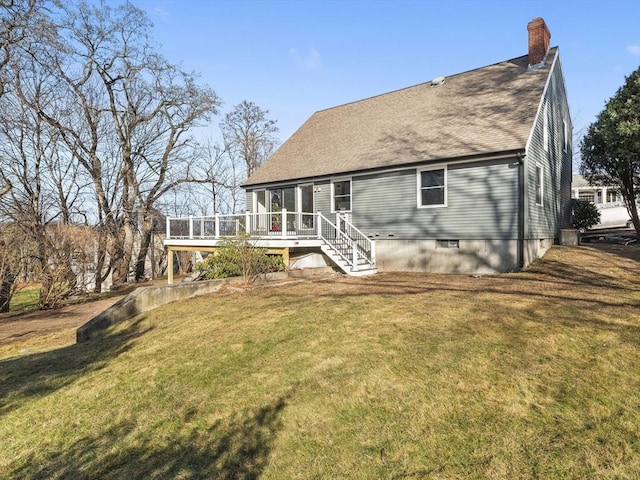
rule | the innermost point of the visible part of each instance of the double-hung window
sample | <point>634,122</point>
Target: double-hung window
<point>342,195</point>
<point>432,187</point>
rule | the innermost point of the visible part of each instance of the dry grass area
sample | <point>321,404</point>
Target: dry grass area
<point>399,376</point>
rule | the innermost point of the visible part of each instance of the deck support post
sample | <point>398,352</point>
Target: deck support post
<point>169,266</point>
<point>247,222</point>
<point>217,226</point>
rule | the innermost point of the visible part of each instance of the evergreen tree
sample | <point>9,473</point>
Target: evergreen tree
<point>611,147</point>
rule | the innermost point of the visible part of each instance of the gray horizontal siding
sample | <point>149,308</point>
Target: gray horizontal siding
<point>322,198</point>
<point>481,204</point>
<point>545,221</point>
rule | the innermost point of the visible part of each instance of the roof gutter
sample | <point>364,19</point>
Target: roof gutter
<point>480,157</point>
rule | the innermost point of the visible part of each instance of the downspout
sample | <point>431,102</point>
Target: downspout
<point>521,200</point>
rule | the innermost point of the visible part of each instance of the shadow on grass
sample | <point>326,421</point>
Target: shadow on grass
<point>547,278</point>
<point>236,448</point>
<point>40,374</point>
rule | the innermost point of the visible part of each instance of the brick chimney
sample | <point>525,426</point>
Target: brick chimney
<point>539,36</point>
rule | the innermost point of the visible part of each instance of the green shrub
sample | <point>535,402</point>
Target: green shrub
<point>238,257</point>
<point>585,214</point>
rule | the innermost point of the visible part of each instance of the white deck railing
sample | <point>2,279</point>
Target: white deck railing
<point>346,240</point>
<point>281,224</point>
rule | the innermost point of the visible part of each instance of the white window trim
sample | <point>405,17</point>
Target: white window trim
<point>254,200</point>
<point>299,197</point>
<point>419,185</point>
<point>565,127</point>
<point>333,194</point>
<point>539,166</point>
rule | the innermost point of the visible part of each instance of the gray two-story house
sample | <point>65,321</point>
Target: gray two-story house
<point>464,173</point>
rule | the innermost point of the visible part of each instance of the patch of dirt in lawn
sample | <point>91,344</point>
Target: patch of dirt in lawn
<point>33,323</point>
<point>26,324</point>
<point>577,271</point>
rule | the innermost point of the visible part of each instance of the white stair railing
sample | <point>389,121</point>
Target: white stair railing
<point>349,243</point>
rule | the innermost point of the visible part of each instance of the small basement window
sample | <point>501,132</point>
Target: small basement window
<point>448,243</point>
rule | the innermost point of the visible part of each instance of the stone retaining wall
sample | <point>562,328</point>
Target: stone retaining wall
<point>144,299</point>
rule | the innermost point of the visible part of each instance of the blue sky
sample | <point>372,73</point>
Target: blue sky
<point>294,57</point>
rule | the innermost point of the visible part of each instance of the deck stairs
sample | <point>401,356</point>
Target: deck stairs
<point>348,248</point>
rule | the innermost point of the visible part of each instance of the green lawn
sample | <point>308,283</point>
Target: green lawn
<point>516,376</point>
<point>24,298</point>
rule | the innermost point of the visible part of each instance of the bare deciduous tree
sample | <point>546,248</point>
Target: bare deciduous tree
<point>15,19</point>
<point>249,135</point>
<point>44,188</point>
<point>96,130</point>
<point>125,118</point>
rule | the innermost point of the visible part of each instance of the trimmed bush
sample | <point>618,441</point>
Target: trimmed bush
<point>238,257</point>
<point>585,214</point>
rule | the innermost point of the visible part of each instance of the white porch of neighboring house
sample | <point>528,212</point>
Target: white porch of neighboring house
<point>278,232</point>
<point>608,200</point>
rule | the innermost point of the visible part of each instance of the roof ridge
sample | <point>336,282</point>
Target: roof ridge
<point>421,83</point>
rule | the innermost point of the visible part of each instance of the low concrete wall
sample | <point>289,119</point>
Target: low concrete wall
<point>569,237</point>
<point>144,299</point>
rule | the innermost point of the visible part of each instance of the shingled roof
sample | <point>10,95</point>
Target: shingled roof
<point>488,110</point>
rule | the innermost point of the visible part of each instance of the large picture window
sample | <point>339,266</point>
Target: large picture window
<point>342,196</point>
<point>432,187</point>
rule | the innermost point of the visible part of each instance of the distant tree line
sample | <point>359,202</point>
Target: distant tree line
<point>96,141</point>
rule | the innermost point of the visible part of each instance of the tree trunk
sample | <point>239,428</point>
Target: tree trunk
<point>145,242</point>
<point>119,270</point>
<point>100,259</point>
<point>629,195</point>
<point>124,248</point>
<point>6,284</point>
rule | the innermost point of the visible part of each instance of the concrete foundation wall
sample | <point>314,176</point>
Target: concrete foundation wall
<point>472,256</point>
<point>536,248</point>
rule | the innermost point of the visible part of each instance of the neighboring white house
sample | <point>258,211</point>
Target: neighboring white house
<point>608,200</point>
